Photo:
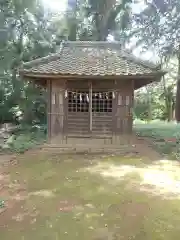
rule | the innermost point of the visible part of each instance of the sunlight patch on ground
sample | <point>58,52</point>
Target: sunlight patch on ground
<point>21,216</point>
<point>42,193</point>
<point>20,197</point>
<point>162,177</point>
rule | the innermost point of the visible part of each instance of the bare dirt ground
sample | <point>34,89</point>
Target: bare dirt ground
<point>14,192</point>
<point>137,147</point>
<point>144,148</point>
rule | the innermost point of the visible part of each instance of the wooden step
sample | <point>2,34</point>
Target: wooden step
<point>80,145</point>
<point>75,150</point>
<point>85,146</point>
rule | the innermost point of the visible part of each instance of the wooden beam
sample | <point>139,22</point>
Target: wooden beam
<point>154,76</point>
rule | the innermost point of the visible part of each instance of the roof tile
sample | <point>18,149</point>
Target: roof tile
<point>90,58</point>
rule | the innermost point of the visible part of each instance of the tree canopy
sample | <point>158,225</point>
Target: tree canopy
<point>29,31</point>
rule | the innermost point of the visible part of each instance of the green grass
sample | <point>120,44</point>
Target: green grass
<point>90,198</point>
<point>165,136</point>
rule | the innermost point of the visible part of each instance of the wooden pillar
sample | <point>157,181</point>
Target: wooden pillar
<point>57,112</point>
<point>49,90</point>
<point>127,108</point>
<point>117,123</point>
<point>90,106</point>
<point>123,110</point>
<point>131,107</point>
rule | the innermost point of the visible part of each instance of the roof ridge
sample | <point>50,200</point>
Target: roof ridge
<point>114,44</point>
<point>49,57</point>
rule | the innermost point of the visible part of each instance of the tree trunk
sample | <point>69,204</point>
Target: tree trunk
<point>168,101</point>
<point>177,107</point>
<point>149,104</point>
<point>173,110</point>
<point>72,23</point>
<point>101,19</point>
<point>72,29</point>
<point>169,112</point>
<point>106,17</point>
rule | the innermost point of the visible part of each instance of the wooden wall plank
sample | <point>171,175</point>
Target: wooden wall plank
<point>124,103</point>
<point>117,122</point>
<point>57,108</point>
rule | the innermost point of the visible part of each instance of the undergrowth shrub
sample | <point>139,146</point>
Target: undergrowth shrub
<point>25,138</point>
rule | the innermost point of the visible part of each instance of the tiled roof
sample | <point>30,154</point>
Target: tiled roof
<point>90,58</point>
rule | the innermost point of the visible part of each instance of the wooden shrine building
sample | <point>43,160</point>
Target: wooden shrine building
<point>90,91</point>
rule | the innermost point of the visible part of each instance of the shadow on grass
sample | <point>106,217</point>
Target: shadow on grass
<point>95,197</point>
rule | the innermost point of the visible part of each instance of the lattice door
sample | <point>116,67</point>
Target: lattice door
<point>78,112</point>
<point>89,112</point>
<point>102,105</point>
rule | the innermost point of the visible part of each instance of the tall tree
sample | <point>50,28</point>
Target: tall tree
<point>30,35</point>
<point>158,25</point>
